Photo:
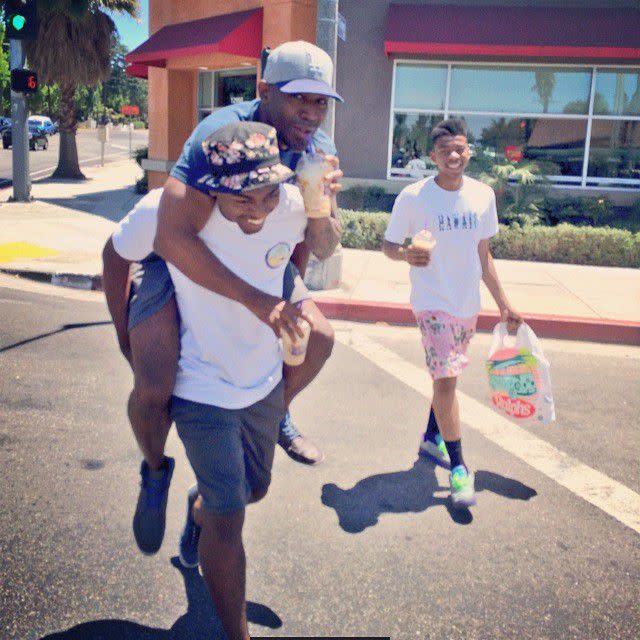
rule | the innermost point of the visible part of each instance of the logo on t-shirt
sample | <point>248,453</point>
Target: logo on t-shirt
<point>277,255</point>
<point>455,222</point>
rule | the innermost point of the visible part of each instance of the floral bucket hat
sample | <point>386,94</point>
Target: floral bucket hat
<point>243,156</point>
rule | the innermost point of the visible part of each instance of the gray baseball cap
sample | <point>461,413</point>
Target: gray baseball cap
<point>301,67</point>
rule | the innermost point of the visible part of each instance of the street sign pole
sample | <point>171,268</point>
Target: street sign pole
<point>327,39</point>
<point>19,135</point>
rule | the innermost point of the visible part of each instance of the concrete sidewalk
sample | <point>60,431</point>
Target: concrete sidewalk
<point>61,234</point>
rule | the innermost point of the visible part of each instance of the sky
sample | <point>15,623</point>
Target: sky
<point>133,34</point>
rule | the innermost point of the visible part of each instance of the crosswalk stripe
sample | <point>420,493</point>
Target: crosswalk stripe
<point>595,487</point>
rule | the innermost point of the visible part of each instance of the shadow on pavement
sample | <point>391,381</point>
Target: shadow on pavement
<point>410,491</point>
<point>63,328</point>
<point>200,622</point>
<point>112,205</point>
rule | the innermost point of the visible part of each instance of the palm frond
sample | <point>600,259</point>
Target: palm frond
<point>69,49</point>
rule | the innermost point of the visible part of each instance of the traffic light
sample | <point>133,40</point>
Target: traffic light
<point>24,81</point>
<point>21,19</point>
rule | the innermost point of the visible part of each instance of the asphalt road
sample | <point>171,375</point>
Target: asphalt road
<point>365,544</point>
<point>43,163</point>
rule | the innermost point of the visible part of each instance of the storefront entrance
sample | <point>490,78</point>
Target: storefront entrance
<point>217,89</point>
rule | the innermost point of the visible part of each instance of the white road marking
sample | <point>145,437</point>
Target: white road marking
<point>595,487</point>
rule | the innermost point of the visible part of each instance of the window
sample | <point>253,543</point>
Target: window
<point>617,93</point>
<point>581,125</point>
<point>520,90</point>
<point>420,87</point>
<point>614,152</point>
<point>217,89</point>
<point>556,145</point>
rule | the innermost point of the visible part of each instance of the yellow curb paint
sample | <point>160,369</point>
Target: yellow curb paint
<point>11,251</point>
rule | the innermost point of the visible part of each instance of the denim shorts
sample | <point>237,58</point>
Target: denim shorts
<point>230,450</point>
<point>152,288</point>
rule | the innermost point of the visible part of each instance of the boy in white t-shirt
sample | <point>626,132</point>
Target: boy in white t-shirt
<point>457,217</point>
<point>229,396</point>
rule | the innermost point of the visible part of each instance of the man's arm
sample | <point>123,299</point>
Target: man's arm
<point>491,279</point>
<point>116,285</point>
<point>182,214</point>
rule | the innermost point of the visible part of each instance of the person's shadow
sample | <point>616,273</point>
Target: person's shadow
<point>200,622</point>
<point>410,491</point>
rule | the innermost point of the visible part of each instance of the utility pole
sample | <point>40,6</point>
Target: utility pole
<point>327,39</point>
<point>19,135</point>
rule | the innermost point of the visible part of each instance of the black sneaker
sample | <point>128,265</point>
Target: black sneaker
<point>149,518</point>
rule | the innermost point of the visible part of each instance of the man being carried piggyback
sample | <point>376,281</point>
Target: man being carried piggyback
<point>294,97</point>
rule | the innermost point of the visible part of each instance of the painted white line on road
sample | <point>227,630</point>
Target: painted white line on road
<point>595,487</point>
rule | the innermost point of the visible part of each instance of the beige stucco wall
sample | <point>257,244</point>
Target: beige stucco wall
<point>173,91</point>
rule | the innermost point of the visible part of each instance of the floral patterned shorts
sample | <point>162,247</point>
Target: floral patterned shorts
<point>445,339</point>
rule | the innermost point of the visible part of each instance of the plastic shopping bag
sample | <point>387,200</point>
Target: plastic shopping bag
<point>520,377</point>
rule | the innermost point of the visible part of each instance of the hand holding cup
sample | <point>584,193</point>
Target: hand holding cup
<point>418,253</point>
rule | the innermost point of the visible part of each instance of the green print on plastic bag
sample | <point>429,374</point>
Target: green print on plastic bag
<point>513,372</point>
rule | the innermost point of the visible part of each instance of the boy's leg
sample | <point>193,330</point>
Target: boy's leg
<point>432,444</point>
<point>231,452</point>
<point>446,408</point>
<point>223,565</point>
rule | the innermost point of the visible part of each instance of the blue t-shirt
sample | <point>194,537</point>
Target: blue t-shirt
<point>193,164</point>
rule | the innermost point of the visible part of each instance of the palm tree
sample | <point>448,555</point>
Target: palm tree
<point>74,48</point>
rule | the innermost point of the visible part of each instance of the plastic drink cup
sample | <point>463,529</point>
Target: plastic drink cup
<point>295,351</point>
<point>424,240</point>
<point>311,170</point>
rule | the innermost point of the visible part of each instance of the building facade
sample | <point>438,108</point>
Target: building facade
<point>556,82</point>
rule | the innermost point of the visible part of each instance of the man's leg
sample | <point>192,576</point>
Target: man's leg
<point>154,348</point>
<point>223,565</point>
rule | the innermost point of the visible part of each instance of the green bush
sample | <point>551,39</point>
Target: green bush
<point>595,211</point>
<point>360,198</point>
<point>363,230</point>
<point>138,124</point>
<point>563,243</point>
<point>569,244</point>
<point>140,154</point>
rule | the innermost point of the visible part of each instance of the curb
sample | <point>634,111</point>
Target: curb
<point>546,326</point>
<point>70,280</point>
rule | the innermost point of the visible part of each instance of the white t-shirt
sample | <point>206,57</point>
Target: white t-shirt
<point>458,221</point>
<point>133,239</point>
<point>228,357</point>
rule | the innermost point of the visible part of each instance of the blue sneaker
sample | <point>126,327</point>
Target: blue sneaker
<point>150,516</point>
<point>463,493</point>
<point>188,551</point>
<point>435,451</point>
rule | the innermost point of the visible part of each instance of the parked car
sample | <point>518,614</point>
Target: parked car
<point>37,137</point>
<point>45,123</point>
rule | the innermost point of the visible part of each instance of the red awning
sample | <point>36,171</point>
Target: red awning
<point>530,32</point>
<point>235,33</point>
